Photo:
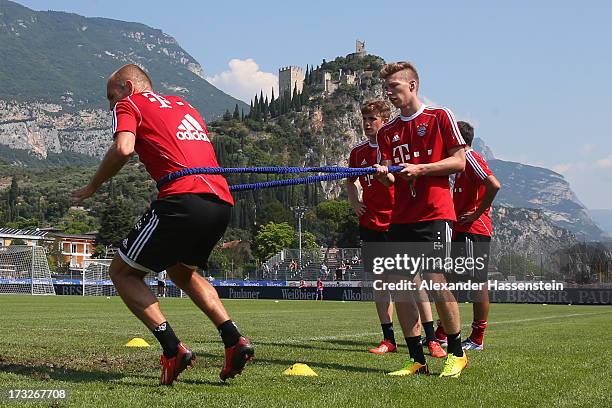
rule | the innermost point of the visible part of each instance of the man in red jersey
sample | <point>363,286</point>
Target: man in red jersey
<point>427,143</point>
<point>473,193</point>
<point>374,212</point>
<point>181,227</point>
<point>375,207</point>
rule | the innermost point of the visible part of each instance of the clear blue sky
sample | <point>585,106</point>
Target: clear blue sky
<point>534,79</point>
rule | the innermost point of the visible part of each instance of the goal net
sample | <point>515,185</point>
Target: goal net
<point>24,269</point>
<point>97,282</point>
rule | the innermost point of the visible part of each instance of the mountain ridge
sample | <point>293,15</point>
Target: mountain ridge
<point>75,55</point>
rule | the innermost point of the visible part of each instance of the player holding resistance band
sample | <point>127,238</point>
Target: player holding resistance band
<point>374,212</point>
<point>427,143</point>
<point>181,227</point>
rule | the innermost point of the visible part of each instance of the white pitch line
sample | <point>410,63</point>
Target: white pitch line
<point>358,335</point>
<point>549,317</point>
<point>326,338</point>
<point>321,338</point>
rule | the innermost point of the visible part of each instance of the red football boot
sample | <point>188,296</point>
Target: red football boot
<point>436,350</point>
<point>236,358</point>
<point>385,346</point>
<point>173,366</point>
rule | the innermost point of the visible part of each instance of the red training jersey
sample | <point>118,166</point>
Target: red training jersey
<point>424,137</point>
<point>170,136</point>
<point>468,192</point>
<point>377,198</point>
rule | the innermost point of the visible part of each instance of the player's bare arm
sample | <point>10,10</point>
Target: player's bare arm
<point>353,195</point>
<point>492,187</point>
<point>116,157</point>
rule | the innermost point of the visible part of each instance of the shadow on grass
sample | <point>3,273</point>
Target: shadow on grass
<point>287,363</point>
<point>42,372</point>
<point>45,372</point>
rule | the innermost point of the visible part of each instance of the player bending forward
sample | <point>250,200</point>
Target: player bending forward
<point>181,227</point>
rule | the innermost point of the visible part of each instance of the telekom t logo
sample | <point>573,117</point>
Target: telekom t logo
<point>153,97</point>
<point>401,154</point>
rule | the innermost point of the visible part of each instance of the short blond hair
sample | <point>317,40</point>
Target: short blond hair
<point>134,73</point>
<point>378,107</point>
<point>394,67</point>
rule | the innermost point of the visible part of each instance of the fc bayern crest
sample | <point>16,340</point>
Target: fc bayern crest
<point>422,129</point>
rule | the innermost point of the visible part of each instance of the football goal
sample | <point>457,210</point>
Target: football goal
<point>25,270</point>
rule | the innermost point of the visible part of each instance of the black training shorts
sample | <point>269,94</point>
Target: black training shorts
<point>426,238</point>
<point>181,228</point>
<point>474,249</point>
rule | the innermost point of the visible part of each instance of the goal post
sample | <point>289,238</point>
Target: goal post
<point>96,280</point>
<point>25,270</point>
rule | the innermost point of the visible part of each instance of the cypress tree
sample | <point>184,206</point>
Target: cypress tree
<point>262,107</point>
<point>255,114</point>
<point>272,105</point>
<point>294,98</point>
<point>266,108</point>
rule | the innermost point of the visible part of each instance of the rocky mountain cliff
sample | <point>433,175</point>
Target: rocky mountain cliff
<point>53,71</point>
<point>527,231</point>
<point>525,186</point>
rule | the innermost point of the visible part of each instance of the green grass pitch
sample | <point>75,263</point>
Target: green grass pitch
<point>535,355</point>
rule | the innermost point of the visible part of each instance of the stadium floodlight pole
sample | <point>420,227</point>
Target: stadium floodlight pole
<point>299,213</point>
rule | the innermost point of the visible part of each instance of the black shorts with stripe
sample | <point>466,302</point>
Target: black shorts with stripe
<point>418,235</point>
<point>471,256</point>
<point>182,228</point>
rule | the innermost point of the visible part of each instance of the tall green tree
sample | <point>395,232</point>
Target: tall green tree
<point>272,105</point>
<point>266,108</point>
<point>12,199</point>
<point>115,222</point>
<point>255,111</point>
<point>334,223</point>
<point>236,114</point>
<point>272,238</point>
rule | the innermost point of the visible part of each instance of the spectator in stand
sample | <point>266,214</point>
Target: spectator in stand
<point>293,266</point>
<point>324,271</point>
<point>340,272</point>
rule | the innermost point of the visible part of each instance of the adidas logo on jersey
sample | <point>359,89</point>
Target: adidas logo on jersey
<point>395,138</point>
<point>364,162</point>
<point>190,129</point>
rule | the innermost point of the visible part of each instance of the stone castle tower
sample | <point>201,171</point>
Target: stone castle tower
<point>360,48</point>
<point>289,78</point>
